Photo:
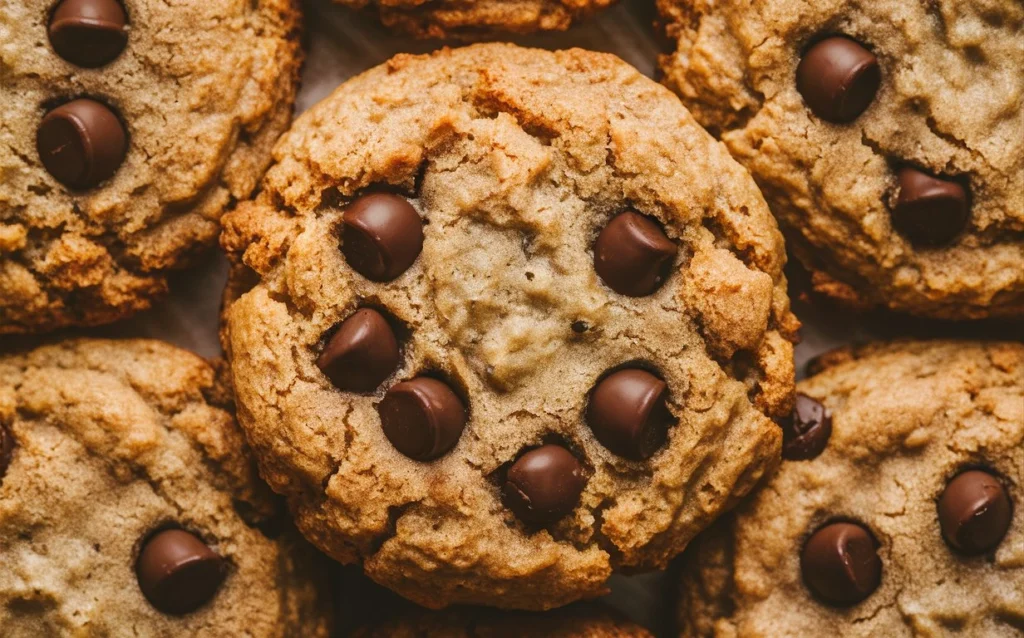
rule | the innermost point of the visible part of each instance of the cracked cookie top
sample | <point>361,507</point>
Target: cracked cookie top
<point>128,128</point>
<point>129,502</point>
<point>514,320</point>
<point>476,19</point>
<point>887,137</point>
<point>908,521</point>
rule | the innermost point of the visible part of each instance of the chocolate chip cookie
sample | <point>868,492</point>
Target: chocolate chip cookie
<point>476,19</point>
<point>128,128</point>
<point>578,621</point>
<point>515,321</point>
<point>898,510</point>
<point>887,137</point>
<point>129,503</point>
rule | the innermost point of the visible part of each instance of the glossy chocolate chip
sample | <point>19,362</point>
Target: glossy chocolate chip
<point>806,432</point>
<point>544,485</point>
<point>422,418</point>
<point>88,33</point>
<point>361,354</point>
<point>929,211</point>
<point>6,449</point>
<point>632,255</point>
<point>382,236</point>
<point>974,512</point>
<point>840,564</point>
<point>177,572</point>
<point>627,413</point>
<point>81,143</point>
<point>838,79</point>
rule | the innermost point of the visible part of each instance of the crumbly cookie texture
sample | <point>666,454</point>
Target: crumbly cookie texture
<point>949,104</point>
<point>475,19</point>
<point>906,419</point>
<point>113,441</point>
<point>578,621</point>
<point>514,159</point>
<point>203,88</point>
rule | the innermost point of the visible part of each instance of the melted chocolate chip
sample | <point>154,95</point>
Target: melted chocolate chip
<point>840,564</point>
<point>974,512</point>
<point>178,573</point>
<point>929,211</point>
<point>838,79</point>
<point>361,354</point>
<point>88,33</point>
<point>632,255</point>
<point>627,413</point>
<point>806,432</point>
<point>6,449</point>
<point>544,485</point>
<point>81,143</point>
<point>423,418</point>
<point>382,237</point>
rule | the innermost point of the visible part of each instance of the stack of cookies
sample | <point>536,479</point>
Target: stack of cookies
<point>503,322</point>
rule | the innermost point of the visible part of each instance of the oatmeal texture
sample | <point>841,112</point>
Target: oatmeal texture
<point>203,89</point>
<point>514,158</point>
<point>950,104</point>
<point>476,19</point>
<point>906,418</point>
<point>114,440</point>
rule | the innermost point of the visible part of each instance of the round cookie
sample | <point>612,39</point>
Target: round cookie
<point>908,522</point>
<point>439,226</point>
<point>578,621</point>
<point>888,139</point>
<point>476,19</point>
<point>129,502</point>
<point>128,129</point>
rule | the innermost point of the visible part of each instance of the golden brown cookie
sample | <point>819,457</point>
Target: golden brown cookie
<point>128,129</point>
<point>450,254</point>
<point>898,509</point>
<point>130,505</point>
<point>887,137</point>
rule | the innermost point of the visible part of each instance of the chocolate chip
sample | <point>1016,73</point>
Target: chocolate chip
<point>974,512</point>
<point>81,143</point>
<point>177,572</point>
<point>627,413</point>
<point>361,354</point>
<point>806,432</point>
<point>6,449</point>
<point>383,235</point>
<point>929,211</point>
<point>840,564</point>
<point>544,485</point>
<point>633,255</point>
<point>838,79</point>
<point>88,33</point>
<point>422,418</point>
<point>579,327</point>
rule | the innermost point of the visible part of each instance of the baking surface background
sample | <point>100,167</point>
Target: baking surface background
<point>340,44</point>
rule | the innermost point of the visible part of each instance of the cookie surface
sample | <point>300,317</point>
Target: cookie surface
<point>579,621</point>
<point>123,472</point>
<point>474,19</point>
<point>887,138</point>
<point>128,129</point>
<point>913,426</point>
<point>433,227</point>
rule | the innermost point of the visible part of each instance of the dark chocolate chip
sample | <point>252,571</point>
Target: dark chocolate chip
<point>544,485</point>
<point>177,572</point>
<point>382,236</point>
<point>974,512</point>
<point>423,418</point>
<point>6,449</point>
<point>840,564</point>
<point>632,255</point>
<point>88,33</point>
<point>361,354</point>
<point>806,432</point>
<point>838,79</point>
<point>579,327</point>
<point>81,143</point>
<point>929,211</point>
<point>627,413</point>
